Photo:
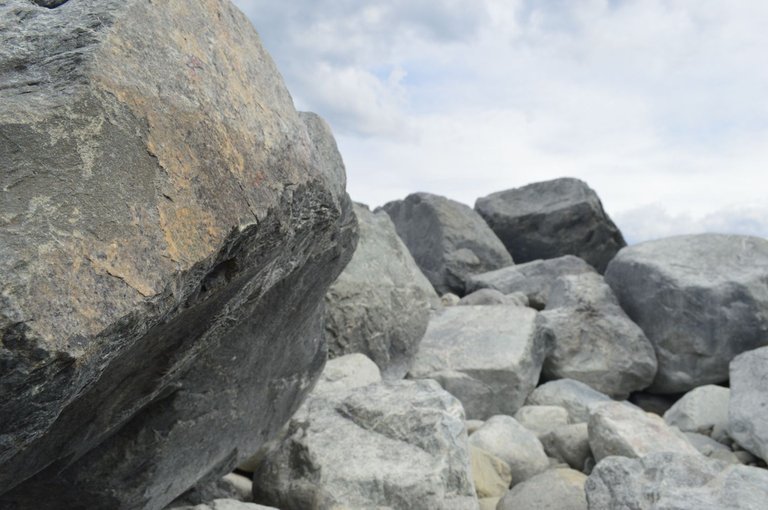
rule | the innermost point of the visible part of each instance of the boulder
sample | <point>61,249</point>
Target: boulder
<point>493,297</point>
<point>700,299</point>
<point>380,304</point>
<point>574,396</point>
<point>595,342</point>
<point>569,444</point>
<point>703,409</point>
<point>541,419</point>
<point>168,229</point>
<point>505,438</point>
<point>448,240</point>
<point>489,357</point>
<point>394,444</point>
<point>556,489</point>
<point>618,429</point>
<point>549,219</point>
<point>534,279</point>
<point>491,475</point>
<point>675,481</point>
<point>748,410</point>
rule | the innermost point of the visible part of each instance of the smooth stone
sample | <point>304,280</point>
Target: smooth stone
<point>491,475</point>
<point>701,410</point>
<point>473,425</point>
<point>541,419</point>
<point>488,503</point>
<point>574,396</point>
<point>493,297</point>
<point>556,489</point>
<point>569,444</point>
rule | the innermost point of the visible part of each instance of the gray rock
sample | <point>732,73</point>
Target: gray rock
<point>231,487</point>
<point>225,504</point>
<point>549,219</point>
<point>541,419</point>
<point>395,444</point>
<point>675,481</point>
<point>595,342</point>
<point>576,397</point>
<point>168,230</point>
<point>380,304</point>
<point>493,297</point>
<point>448,240</point>
<point>748,410</point>
<point>569,444</point>
<point>700,300</point>
<point>556,489</point>
<point>449,299</point>
<point>345,373</point>
<point>711,448</point>
<point>618,429</point>
<point>534,279</point>
<point>488,503</point>
<point>702,410</point>
<point>491,475</point>
<point>489,357</point>
<point>505,438</point>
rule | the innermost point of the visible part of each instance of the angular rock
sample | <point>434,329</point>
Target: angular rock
<point>489,357</point>
<point>534,279</point>
<point>576,397</point>
<point>675,481</point>
<point>701,410</point>
<point>617,429</point>
<point>700,299</point>
<point>167,231</point>
<point>541,419</point>
<point>748,410</point>
<point>505,438</point>
<point>395,444</point>
<point>380,304</point>
<point>595,342</point>
<point>569,444</point>
<point>492,476</point>
<point>549,219</point>
<point>493,297</point>
<point>556,489</point>
<point>448,240</point>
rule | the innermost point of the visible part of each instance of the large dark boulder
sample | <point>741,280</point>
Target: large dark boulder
<point>549,219</point>
<point>700,299</point>
<point>448,240</point>
<point>168,228</point>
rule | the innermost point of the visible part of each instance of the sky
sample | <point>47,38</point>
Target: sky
<point>661,106</point>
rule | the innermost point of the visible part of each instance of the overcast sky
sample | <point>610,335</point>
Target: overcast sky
<point>660,105</point>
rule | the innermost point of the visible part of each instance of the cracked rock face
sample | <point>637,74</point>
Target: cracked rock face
<point>168,227</point>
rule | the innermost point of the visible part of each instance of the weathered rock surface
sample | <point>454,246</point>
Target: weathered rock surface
<point>618,429</point>
<point>701,410</point>
<point>556,489</point>
<point>675,481</point>
<point>569,444</point>
<point>549,219</point>
<point>394,444</point>
<point>448,240</point>
<point>574,396</point>
<point>493,297</point>
<point>748,410</point>
<point>489,357</point>
<point>380,304</point>
<point>534,279</point>
<point>541,419</point>
<point>700,299</point>
<point>168,228</point>
<point>595,342</point>
<point>492,476</point>
<point>505,438</point>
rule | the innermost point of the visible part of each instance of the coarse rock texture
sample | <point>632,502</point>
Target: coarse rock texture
<point>618,429</point>
<point>700,299</point>
<point>574,396</point>
<point>492,476</point>
<point>489,357</point>
<point>545,220</point>
<point>448,240</point>
<point>703,410</point>
<point>675,481</point>
<point>541,419</point>
<point>556,489</point>
<point>569,444</point>
<point>595,342</point>
<point>505,438</point>
<point>534,279</point>
<point>380,303</point>
<point>748,410</point>
<point>493,297</point>
<point>394,444</point>
<point>168,228</point>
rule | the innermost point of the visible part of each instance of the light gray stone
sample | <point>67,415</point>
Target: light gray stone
<point>748,410</point>
<point>711,448</point>
<point>556,489</point>
<point>541,419</point>
<point>449,299</point>
<point>492,476</point>
<point>346,373</point>
<point>569,444</point>
<point>534,279</point>
<point>701,410</point>
<point>448,240</point>
<point>574,396</point>
<point>380,304</point>
<point>700,299</point>
<point>505,438</point>
<point>394,444</point>
<point>493,297</point>
<point>618,429</point>
<point>225,504</point>
<point>545,220</point>
<point>675,481</point>
<point>489,357</point>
